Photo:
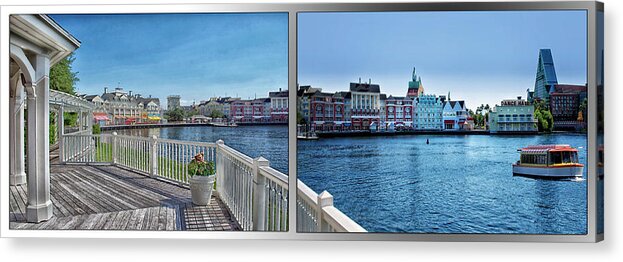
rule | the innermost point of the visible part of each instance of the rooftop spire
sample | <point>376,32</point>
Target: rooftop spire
<point>413,76</point>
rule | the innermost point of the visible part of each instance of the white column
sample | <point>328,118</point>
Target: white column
<point>60,128</point>
<point>80,121</point>
<point>39,204</point>
<point>17,176</point>
<point>89,119</point>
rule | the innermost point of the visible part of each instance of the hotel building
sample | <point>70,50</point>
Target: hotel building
<point>398,113</point>
<point>278,106</point>
<point>454,114</point>
<point>564,104</point>
<point>427,112</point>
<point>365,105</point>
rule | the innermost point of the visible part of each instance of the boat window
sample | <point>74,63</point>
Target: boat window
<point>566,157</point>
<point>556,157</point>
<point>574,156</point>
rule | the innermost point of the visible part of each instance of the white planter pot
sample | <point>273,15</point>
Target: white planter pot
<point>201,189</point>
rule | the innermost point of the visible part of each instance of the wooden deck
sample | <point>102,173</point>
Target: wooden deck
<point>111,198</point>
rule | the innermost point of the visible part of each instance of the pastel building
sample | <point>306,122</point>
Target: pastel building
<point>427,112</point>
<point>454,115</point>
<point>513,116</point>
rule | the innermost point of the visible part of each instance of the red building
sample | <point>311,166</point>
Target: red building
<point>242,111</point>
<point>564,104</point>
<point>398,113</point>
<point>326,111</point>
<point>279,106</point>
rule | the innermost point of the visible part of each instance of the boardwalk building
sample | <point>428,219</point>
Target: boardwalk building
<point>366,105</point>
<point>173,102</point>
<point>427,112</point>
<point>398,113</point>
<point>415,86</point>
<point>454,115</point>
<point>278,106</point>
<point>513,116</point>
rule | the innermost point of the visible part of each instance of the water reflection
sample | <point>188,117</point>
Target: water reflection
<point>455,184</point>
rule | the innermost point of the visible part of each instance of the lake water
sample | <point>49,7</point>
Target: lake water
<point>455,184</point>
<point>270,142</point>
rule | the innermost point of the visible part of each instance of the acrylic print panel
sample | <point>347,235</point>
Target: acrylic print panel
<point>156,122</point>
<point>443,122</point>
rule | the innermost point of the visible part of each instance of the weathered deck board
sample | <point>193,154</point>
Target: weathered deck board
<point>110,198</point>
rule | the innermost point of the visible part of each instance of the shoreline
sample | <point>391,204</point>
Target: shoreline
<point>430,132</point>
<point>148,126</point>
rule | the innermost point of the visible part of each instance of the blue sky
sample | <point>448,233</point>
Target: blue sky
<point>479,57</point>
<point>193,55</point>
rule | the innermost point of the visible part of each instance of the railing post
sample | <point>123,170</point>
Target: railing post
<point>218,161</point>
<point>114,148</point>
<point>259,194</point>
<point>153,168</point>
<point>324,199</point>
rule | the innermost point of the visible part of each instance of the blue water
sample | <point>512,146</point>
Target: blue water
<point>270,142</point>
<point>455,184</point>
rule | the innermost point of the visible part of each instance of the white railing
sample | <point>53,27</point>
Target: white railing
<point>255,193</point>
<point>164,158</point>
<point>252,190</point>
<point>316,213</point>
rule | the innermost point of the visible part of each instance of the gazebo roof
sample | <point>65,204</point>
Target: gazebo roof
<point>39,33</point>
<point>70,103</point>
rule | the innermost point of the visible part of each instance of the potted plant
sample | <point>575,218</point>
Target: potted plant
<point>202,174</point>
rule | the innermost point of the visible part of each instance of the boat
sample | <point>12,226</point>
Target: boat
<point>307,136</point>
<point>548,161</point>
<point>305,133</point>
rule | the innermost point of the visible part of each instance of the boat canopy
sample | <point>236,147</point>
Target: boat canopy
<point>547,148</point>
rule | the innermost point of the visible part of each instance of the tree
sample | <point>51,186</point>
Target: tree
<point>216,114</point>
<point>545,120</point>
<point>583,106</point>
<point>299,118</point>
<point>62,76</point>
<point>97,129</point>
<point>175,115</point>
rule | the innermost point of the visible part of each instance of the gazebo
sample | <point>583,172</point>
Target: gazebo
<point>36,43</point>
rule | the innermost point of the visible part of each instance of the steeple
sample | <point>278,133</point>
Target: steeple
<point>415,85</point>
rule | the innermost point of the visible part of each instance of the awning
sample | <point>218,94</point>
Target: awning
<point>155,118</point>
<point>100,116</point>
<point>448,121</point>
